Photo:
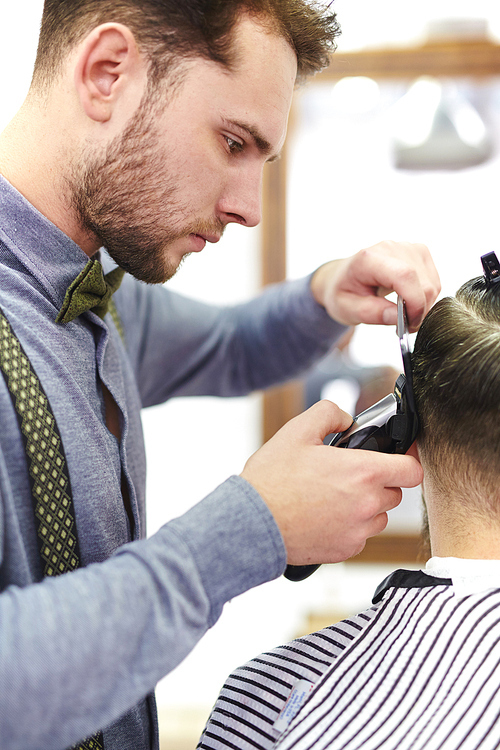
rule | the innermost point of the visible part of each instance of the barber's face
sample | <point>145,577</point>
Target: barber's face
<point>178,174</point>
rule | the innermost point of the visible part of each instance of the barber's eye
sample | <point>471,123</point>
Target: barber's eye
<point>234,146</point>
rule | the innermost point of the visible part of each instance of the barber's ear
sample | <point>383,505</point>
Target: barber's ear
<point>108,62</point>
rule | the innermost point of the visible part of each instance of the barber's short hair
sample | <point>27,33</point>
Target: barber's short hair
<point>456,364</point>
<point>171,30</point>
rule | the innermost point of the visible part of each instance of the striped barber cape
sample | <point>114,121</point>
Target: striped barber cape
<point>418,670</point>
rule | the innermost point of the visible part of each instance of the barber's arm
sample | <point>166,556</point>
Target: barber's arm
<point>183,347</point>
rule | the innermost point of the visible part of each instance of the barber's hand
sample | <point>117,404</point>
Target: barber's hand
<point>326,501</point>
<point>352,289</point>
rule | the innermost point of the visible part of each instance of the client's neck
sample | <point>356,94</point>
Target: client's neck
<point>457,531</point>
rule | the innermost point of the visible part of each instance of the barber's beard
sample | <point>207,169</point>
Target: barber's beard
<point>129,201</point>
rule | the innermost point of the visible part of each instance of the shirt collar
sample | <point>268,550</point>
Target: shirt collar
<point>468,576</point>
<point>49,255</point>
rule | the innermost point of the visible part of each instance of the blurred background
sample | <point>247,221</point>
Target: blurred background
<point>399,139</point>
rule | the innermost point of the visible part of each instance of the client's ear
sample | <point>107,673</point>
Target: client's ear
<point>413,451</point>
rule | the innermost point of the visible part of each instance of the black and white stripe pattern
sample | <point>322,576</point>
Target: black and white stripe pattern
<point>426,675</point>
<point>421,670</point>
<point>254,695</point>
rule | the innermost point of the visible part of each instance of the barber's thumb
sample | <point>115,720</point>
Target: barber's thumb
<point>323,418</point>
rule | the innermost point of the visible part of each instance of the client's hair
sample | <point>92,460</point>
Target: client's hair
<point>456,370</point>
<point>171,30</point>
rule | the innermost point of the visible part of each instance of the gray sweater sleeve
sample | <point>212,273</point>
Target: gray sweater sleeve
<point>78,651</point>
<point>190,348</point>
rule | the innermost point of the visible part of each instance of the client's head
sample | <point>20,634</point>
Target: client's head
<point>456,370</point>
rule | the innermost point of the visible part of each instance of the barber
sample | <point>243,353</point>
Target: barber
<point>145,131</point>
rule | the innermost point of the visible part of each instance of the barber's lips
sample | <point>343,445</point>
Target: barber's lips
<point>199,241</point>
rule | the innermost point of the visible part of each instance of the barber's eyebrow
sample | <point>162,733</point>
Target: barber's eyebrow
<point>262,143</point>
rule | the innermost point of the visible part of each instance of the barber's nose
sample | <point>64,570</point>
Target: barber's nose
<point>241,203</point>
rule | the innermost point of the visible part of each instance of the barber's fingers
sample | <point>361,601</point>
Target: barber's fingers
<point>344,468</point>
<point>350,288</point>
<point>379,524</point>
<point>406,268</point>
<point>326,501</point>
<point>397,470</point>
<point>314,424</point>
<point>404,473</point>
<point>388,471</point>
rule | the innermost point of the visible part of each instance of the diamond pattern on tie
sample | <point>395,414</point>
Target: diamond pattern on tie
<point>50,485</point>
<point>93,743</point>
<point>47,465</point>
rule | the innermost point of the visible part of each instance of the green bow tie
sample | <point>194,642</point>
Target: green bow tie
<point>91,290</point>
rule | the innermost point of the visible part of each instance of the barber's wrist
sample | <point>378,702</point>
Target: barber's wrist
<point>319,281</point>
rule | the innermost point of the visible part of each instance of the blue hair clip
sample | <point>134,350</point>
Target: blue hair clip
<point>491,267</point>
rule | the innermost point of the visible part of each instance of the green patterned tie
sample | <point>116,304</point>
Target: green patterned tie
<point>91,290</point>
<point>93,743</point>
<point>48,472</point>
